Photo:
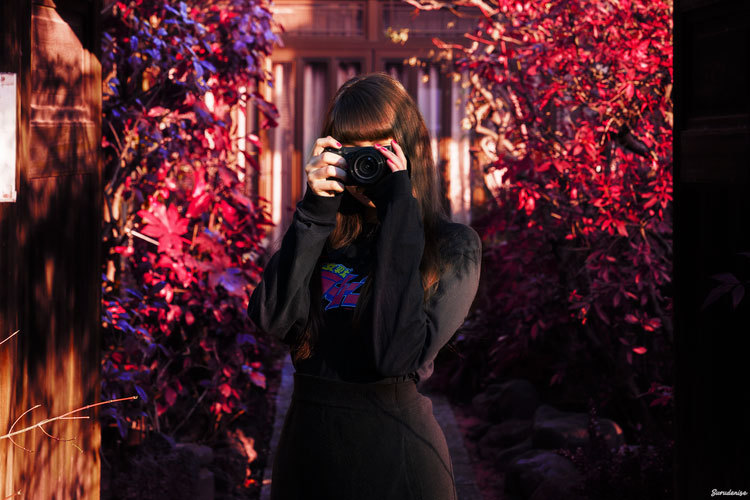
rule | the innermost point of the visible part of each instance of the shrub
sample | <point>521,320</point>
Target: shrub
<point>181,236</point>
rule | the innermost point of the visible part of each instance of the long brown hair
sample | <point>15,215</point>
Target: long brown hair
<point>373,107</point>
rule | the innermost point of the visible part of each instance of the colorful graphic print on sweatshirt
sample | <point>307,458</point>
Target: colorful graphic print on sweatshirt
<point>339,285</point>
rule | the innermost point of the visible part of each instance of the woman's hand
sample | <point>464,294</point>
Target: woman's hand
<point>325,170</point>
<point>397,159</point>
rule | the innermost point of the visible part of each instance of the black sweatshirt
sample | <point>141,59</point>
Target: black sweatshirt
<point>399,334</point>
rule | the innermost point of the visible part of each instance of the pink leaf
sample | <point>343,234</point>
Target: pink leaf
<point>225,390</point>
<point>629,90</point>
<point>198,205</point>
<point>258,379</point>
<point>170,396</point>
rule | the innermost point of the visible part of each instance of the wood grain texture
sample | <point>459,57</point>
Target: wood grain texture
<point>50,248</point>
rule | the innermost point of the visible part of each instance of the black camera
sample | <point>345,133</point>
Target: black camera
<point>365,164</point>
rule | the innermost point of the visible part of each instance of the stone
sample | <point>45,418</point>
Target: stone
<point>515,398</point>
<point>547,412</point>
<point>554,429</point>
<point>507,433</point>
<point>528,471</point>
<point>504,457</point>
<point>481,404</point>
<point>476,431</point>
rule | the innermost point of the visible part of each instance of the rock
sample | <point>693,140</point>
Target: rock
<point>503,435</point>
<point>504,457</point>
<point>481,404</point>
<point>516,398</point>
<point>203,454</point>
<point>557,429</point>
<point>508,433</point>
<point>529,470</point>
<point>477,430</point>
<point>547,412</point>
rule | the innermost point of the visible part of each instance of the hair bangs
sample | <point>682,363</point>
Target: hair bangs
<point>359,117</point>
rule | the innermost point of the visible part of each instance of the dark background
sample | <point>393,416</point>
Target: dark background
<point>711,146</point>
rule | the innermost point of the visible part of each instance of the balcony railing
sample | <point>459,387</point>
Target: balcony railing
<point>321,18</point>
<point>398,15</point>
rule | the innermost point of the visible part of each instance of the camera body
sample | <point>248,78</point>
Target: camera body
<point>365,164</point>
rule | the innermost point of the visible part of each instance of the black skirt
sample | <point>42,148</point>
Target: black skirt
<point>348,441</point>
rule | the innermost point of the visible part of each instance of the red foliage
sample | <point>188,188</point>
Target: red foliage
<point>571,99</point>
<point>181,235</point>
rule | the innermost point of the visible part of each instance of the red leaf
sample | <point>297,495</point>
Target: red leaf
<point>639,350</point>
<point>225,390</point>
<point>629,90</point>
<point>258,379</point>
<point>166,225</point>
<point>170,396</point>
<point>229,213</point>
<point>198,205</point>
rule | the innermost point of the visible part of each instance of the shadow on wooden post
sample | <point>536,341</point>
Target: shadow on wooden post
<point>49,249</point>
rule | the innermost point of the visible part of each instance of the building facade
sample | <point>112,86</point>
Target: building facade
<point>328,42</point>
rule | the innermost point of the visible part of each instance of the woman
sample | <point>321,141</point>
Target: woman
<point>368,285</point>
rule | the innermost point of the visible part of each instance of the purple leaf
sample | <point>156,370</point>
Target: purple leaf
<point>726,278</point>
<point>715,294</point>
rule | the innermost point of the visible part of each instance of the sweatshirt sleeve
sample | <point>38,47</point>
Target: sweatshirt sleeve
<point>449,305</point>
<point>401,332</point>
<point>280,304</point>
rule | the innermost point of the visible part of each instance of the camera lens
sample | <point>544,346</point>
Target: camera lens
<point>368,166</point>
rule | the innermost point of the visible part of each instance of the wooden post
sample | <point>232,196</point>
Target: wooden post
<point>49,264</point>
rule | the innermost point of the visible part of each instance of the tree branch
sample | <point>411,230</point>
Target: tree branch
<point>10,337</point>
<point>64,416</point>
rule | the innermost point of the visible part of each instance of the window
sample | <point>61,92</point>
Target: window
<point>277,172</point>
<point>314,85</point>
<point>347,70</point>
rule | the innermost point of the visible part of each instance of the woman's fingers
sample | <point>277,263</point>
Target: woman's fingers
<point>396,159</point>
<point>324,159</point>
<point>331,186</point>
<point>324,142</point>
<point>330,158</point>
<point>326,172</point>
<point>399,152</point>
<point>325,169</point>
